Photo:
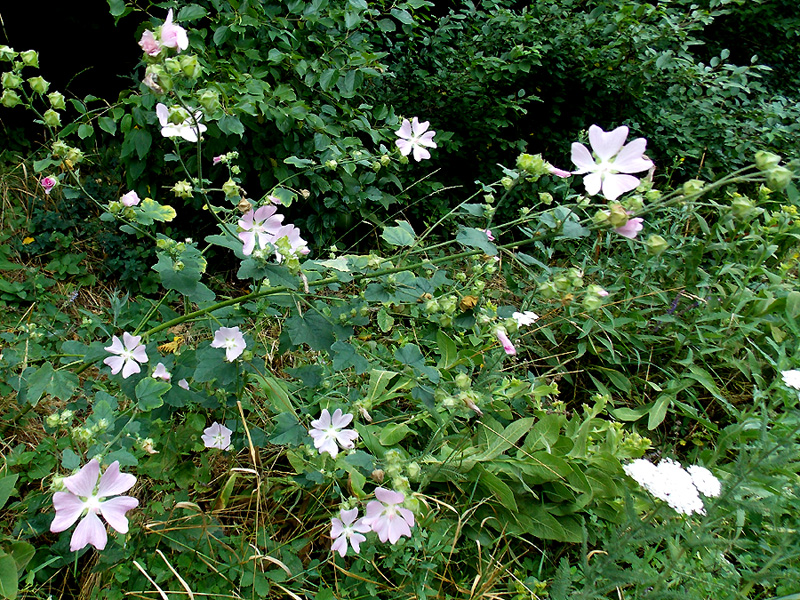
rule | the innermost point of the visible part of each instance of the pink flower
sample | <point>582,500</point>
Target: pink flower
<point>260,226</point>
<point>612,159</point>
<point>502,337</point>
<point>128,356</point>
<point>48,183</point>
<point>329,431</point>
<point>149,43</point>
<point>232,340</point>
<point>218,159</point>
<point>217,436</point>
<point>558,172</point>
<point>189,129</point>
<point>173,36</point>
<point>344,530</point>
<point>85,497</point>
<point>297,245</point>
<point>415,136</point>
<point>387,518</point>
<point>183,384</point>
<point>489,235</point>
<point>130,199</point>
<point>631,228</point>
<point>160,372</point>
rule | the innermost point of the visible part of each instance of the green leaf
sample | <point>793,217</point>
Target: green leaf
<point>85,130</point>
<point>38,383</point>
<point>150,210</point>
<point>69,460</point>
<point>402,235</point>
<point>448,351</point>
<point>107,124</point>
<point>8,577</point>
<point>402,15</point>
<point>345,356</point>
<point>22,552</point>
<point>7,484</point>
<point>498,488</point>
<point>149,392</point>
<point>191,12</point>
<point>231,125</point>
<point>385,320</point>
<point>476,238</point>
<point>793,305</point>
<point>117,7</point>
<point>221,35</point>
<point>376,390</point>
<point>500,441</point>
<point>278,394</point>
<point>659,411</point>
<point>393,433</point>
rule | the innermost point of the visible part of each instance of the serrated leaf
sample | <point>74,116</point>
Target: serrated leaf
<point>150,210</point>
<point>402,235</point>
<point>191,12</point>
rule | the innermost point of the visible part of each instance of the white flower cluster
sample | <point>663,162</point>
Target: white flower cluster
<point>678,487</point>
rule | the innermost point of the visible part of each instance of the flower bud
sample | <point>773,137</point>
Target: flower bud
<point>39,85</point>
<point>182,189</point>
<point>546,198</point>
<point>655,244</point>
<point>230,188</point>
<point>463,381</point>
<point>305,194</point>
<point>592,302</point>
<point>52,421</point>
<point>601,217</point>
<point>413,471</point>
<point>376,165</point>
<point>766,160</point>
<point>30,58</point>
<point>377,475</point>
<point>652,195</point>
<point>190,66</point>
<point>244,206</point>
<point>508,182</point>
<point>173,66</point>
<point>386,160</point>
<point>10,99</point>
<point>11,80</point>
<point>209,100</point>
<point>331,165</point>
<point>617,216</point>
<point>57,100</point>
<point>7,54</point>
<point>532,164</point>
<point>778,178</point>
<point>743,208</point>
<point>157,79</point>
<point>74,156</point>
<point>51,118</point>
<point>692,186</point>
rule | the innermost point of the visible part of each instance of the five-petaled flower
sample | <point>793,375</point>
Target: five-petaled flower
<point>345,530</point>
<point>217,436</point>
<point>632,228</point>
<point>386,516</point>
<point>173,36</point>
<point>130,199</point>
<point>502,337</point>
<point>232,340</point>
<point>259,225</point>
<point>415,136</point>
<point>85,497</point>
<point>614,160</point>
<point>128,354</point>
<point>329,432</point>
<point>791,378</point>
<point>189,127</point>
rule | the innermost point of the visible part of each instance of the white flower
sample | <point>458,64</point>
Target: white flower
<point>160,372</point>
<point>129,355</point>
<point>129,199</point>
<point>669,482</point>
<point>387,517</point>
<point>183,384</point>
<point>189,128</point>
<point>613,159</point>
<point>791,378</point>
<point>525,318</point>
<point>217,436</point>
<point>704,481</point>
<point>232,340</point>
<point>329,432</point>
<point>415,136</point>
<point>344,530</point>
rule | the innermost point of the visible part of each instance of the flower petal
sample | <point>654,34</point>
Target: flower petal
<point>630,159</point>
<point>607,144</point>
<point>114,509</point>
<point>405,130</point>
<point>113,482</point>
<point>405,146</point>
<point>389,496</point>
<point>163,116</point>
<point>593,182</point>
<point>89,531</point>
<point>420,153</point>
<point>348,516</point>
<point>115,362</point>
<point>68,509</point>
<point>614,185</point>
<point>84,481</point>
<point>131,368</point>
<point>582,158</point>
<point>419,128</point>
<point>116,346</point>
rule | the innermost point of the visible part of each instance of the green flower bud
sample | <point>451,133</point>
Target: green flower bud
<point>778,178</point>
<point>534,165</point>
<point>11,80</point>
<point>592,302</point>
<point>655,244</point>
<point>157,79</point>
<point>60,148</point>
<point>618,216</point>
<point>508,182</point>
<point>173,66</point>
<point>209,100</point>
<point>52,421</point>
<point>376,166</point>
<point>386,160</point>
<point>403,160</point>
<point>413,471</point>
<point>692,186</point>
<point>7,54</point>
<point>39,85</point>
<point>601,218</point>
<point>230,188</point>
<point>190,66</point>
<point>546,198</point>
<point>182,189</point>
<point>633,204</point>
<point>331,165</point>
<point>743,208</point>
<point>30,58</point>
<point>463,381</point>
<point>10,99</point>
<point>52,118</point>
<point>57,100</point>
<point>766,160</point>
<point>652,195</point>
<point>74,156</point>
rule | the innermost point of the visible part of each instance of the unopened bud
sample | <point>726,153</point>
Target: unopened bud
<point>209,100</point>
<point>190,66</point>
<point>331,165</point>
<point>766,160</point>
<point>10,99</point>
<point>11,80</point>
<point>743,208</point>
<point>463,381</point>
<point>244,205</point>
<point>39,84</point>
<point>30,58</point>
<point>378,475</point>
<point>532,164</point>
<point>51,118</point>
<point>693,186</point>
<point>57,100</point>
<point>230,188</point>
<point>656,244</point>
<point>182,189</point>
<point>508,182</point>
<point>617,216</point>
<point>386,160</point>
<point>7,54</point>
<point>778,178</point>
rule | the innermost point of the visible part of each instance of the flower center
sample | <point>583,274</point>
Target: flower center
<point>92,504</point>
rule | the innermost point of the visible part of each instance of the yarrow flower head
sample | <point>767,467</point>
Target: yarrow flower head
<point>130,199</point>
<point>48,183</point>
<point>217,436</point>
<point>347,529</point>
<point>525,318</point>
<point>86,498</point>
<point>791,378</point>
<point>608,171</point>
<point>329,433</point>
<point>129,353</point>
<point>187,127</point>
<point>232,340</point>
<point>414,136</point>
<point>502,337</point>
<point>386,516</point>
<point>673,484</point>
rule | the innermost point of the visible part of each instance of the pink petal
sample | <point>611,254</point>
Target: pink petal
<point>631,228</point>
<point>337,527</point>
<point>340,420</point>
<point>348,516</point>
<point>326,444</point>
<point>346,438</point>
<point>324,420</point>
<point>115,362</point>
<point>89,531</point>
<point>397,528</point>
<point>407,515</point>
<point>131,368</point>
<point>427,139</point>
<point>420,153</point>
<point>593,182</point>
<point>340,545</point>
<point>116,346</point>
<point>559,172</point>
<point>355,541</point>
<point>419,128</point>
<point>405,146</point>
<point>131,341</point>
<point>249,240</point>
<point>389,496</point>
<point>84,481</point>
<point>163,115</point>
<point>630,160</point>
<point>582,159</point>
<point>374,509</point>
<point>615,185</point>
<point>114,509</point>
<point>140,354</point>
<point>68,509</point>
<point>607,144</point>
<point>113,482</point>
<point>405,129</point>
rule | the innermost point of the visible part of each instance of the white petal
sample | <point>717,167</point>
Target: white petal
<point>592,182</point>
<point>615,185</point>
<point>607,144</point>
<point>582,158</point>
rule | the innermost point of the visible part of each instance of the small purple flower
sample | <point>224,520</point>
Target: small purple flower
<point>218,159</point>
<point>558,172</point>
<point>85,497</point>
<point>173,36</point>
<point>329,432</point>
<point>149,43</point>
<point>489,235</point>
<point>217,436</point>
<point>345,530</point>
<point>129,355</point>
<point>232,340</point>
<point>130,199</point>
<point>386,516</point>
<point>48,183</point>
<point>631,228</point>
<point>414,136</point>
<point>502,337</point>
